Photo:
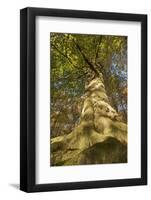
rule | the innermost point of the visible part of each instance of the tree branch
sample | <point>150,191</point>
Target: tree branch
<point>86,59</point>
<point>64,55</point>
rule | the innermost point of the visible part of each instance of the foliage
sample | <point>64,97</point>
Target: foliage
<point>75,59</point>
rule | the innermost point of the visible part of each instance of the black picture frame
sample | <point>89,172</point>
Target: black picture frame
<point>28,99</point>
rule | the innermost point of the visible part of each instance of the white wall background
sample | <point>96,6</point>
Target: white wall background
<point>9,99</point>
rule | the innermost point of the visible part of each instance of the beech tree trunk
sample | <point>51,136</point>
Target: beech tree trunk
<point>100,137</point>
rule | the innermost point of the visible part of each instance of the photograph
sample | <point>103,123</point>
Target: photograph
<point>88,99</point>
<point>83,99</point>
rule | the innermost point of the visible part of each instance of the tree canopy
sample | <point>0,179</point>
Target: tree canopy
<point>76,59</point>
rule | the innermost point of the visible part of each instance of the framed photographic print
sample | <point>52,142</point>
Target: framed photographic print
<point>83,99</point>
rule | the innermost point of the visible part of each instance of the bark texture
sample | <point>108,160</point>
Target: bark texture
<point>100,137</point>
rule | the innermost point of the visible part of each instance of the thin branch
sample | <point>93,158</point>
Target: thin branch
<point>64,55</point>
<point>86,59</point>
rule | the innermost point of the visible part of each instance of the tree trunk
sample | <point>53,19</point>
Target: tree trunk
<point>98,138</point>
